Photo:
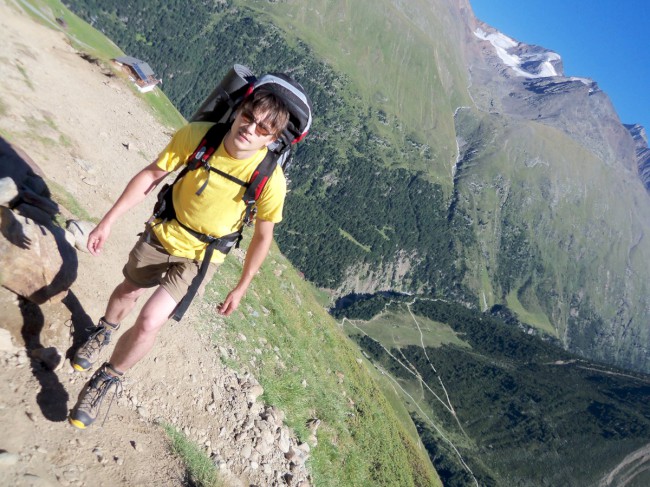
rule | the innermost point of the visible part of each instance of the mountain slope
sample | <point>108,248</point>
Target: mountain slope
<point>402,188</point>
<point>573,251</point>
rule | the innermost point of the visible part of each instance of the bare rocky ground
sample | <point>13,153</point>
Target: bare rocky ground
<point>89,133</point>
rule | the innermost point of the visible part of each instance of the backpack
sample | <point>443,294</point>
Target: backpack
<point>219,108</point>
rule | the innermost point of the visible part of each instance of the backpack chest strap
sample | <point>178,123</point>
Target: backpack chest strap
<point>221,173</point>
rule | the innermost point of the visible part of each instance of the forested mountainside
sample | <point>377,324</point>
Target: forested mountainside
<point>433,165</point>
<point>499,407</point>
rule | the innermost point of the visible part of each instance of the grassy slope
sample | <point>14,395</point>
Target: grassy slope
<point>364,438</point>
<point>387,53</point>
<point>546,183</point>
<point>309,368</point>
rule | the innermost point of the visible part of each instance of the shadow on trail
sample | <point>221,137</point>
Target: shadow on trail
<point>52,398</point>
<point>81,325</point>
<point>34,239</point>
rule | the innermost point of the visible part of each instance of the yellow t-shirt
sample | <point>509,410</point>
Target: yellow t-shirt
<point>219,209</point>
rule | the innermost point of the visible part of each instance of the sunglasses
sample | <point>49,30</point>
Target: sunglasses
<point>261,129</point>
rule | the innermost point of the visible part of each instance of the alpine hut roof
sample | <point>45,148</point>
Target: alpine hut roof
<point>141,68</point>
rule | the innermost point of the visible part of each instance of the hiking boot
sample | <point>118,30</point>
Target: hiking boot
<point>89,352</point>
<point>91,397</point>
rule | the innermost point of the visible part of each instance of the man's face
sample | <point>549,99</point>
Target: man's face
<point>251,132</point>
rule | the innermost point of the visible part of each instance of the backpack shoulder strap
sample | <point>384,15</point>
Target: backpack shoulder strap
<point>257,183</point>
<point>208,145</point>
<point>201,155</point>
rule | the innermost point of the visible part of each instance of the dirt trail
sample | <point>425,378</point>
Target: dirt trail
<point>630,467</point>
<point>76,122</point>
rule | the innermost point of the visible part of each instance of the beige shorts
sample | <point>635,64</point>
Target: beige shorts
<point>150,265</point>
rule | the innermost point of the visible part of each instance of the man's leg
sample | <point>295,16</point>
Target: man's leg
<point>132,346</point>
<point>122,301</point>
<point>138,340</point>
<point>120,304</point>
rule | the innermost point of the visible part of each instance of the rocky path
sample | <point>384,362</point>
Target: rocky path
<point>89,133</point>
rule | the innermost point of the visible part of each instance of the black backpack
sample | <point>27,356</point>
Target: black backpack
<point>219,108</point>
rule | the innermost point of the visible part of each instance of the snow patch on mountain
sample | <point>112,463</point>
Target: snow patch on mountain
<point>526,61</point>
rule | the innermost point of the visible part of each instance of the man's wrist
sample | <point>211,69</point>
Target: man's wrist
<point>240,289</point>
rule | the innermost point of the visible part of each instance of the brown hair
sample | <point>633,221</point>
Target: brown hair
<point>268,103</point>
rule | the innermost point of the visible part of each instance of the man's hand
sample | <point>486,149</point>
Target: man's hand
<point>136,190</point>
<point>231,302</point>
<point>255,255</point>
<point>97,237</point>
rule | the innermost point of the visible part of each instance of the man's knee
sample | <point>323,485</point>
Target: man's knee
<point>155,312</point>
<point>148,325</point>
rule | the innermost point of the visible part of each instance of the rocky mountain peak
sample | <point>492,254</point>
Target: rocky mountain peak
<point>528,82</point>
<point>525,60</point>
<point>638,133</point>
<point>640,138</point>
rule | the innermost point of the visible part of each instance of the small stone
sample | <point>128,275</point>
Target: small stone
<point>246,451</point>
<point>35,481</point>
<point>284,444</point>
<point>6,344</point>
<point>255,392</point>
<point>8,191</point>
<point>291,454</point>
<point>267,437</point>
<point>21,357</point>
<point>119,460</point>
<point>90,181</point>
<point>137,446</point>
<point>98,454</point>
<point>8,459</point>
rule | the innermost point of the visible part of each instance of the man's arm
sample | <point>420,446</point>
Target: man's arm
<point>136,190</point>
<point>257,252</point>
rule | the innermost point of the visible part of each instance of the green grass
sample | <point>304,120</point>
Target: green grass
<point>28,81</point>
<point>309,368</point>
<point>65,199</point>
<point>345,234</point>
<point>534,318</point>
<point>164,110</point>
<point>3,108</point>
<point>200,468</point>
<point>399,330</point>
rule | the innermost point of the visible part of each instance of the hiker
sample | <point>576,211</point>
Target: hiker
<point>177,257</point>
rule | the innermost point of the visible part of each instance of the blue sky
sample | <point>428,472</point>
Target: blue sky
<point>605,40</point>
